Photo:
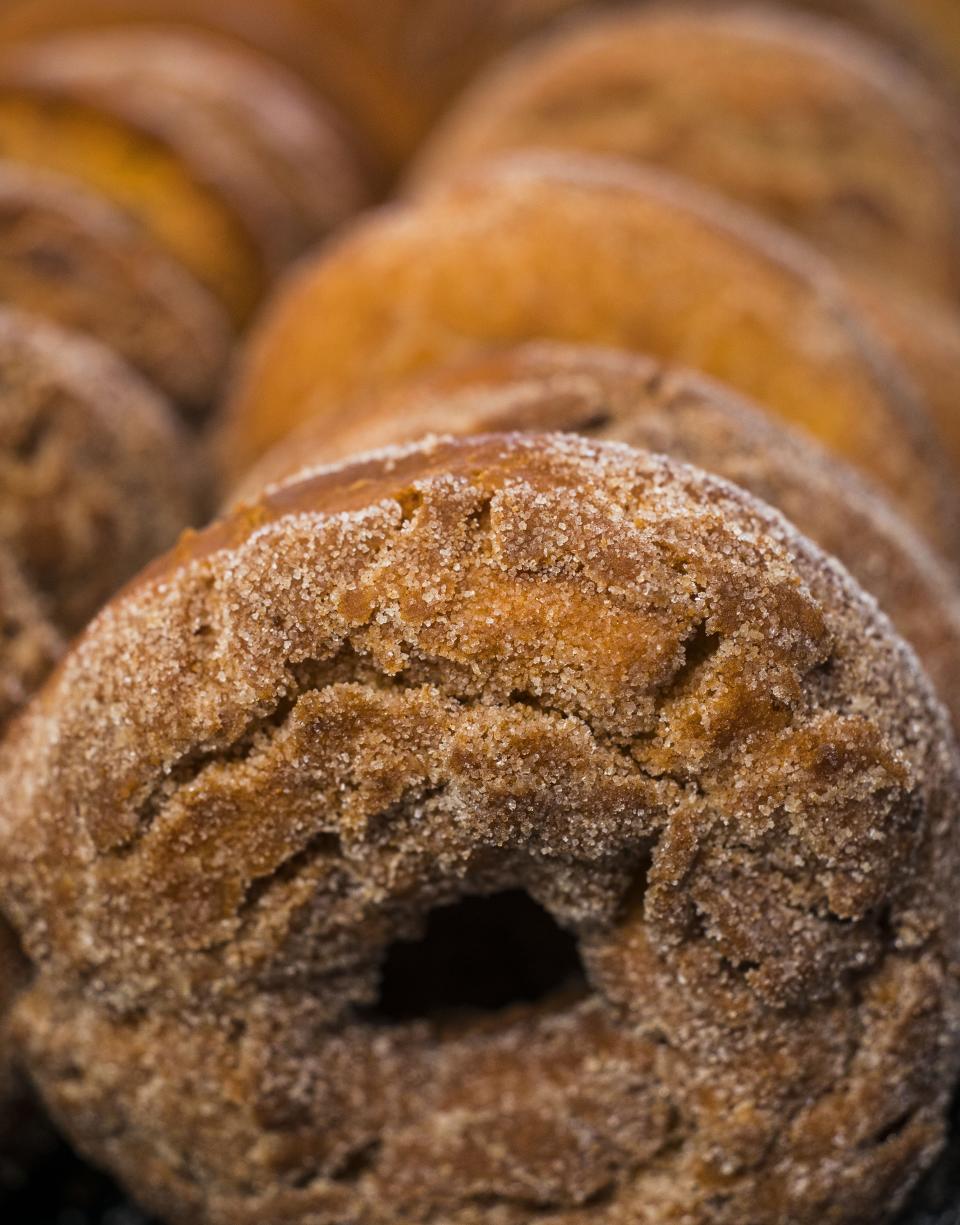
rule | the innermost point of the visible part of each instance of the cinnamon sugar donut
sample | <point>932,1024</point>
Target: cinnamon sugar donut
<point>70,256</point>
<point>587,250</point>
<point>231,149</point>
<point>95,480</point>
<point>799,118</point>
<point>623,397</point>
<point>390,66</point>
<point>160,124</point>
<point>29,643</point>
<point>297,141</point>
<point>444,688</point>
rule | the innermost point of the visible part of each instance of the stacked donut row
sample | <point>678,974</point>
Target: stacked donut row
<point>590,548</point>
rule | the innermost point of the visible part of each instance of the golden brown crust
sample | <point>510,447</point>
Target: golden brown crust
<point>95,480</point>
<point>437,673</point>
<point>68,255</point>
<point>800,119</point>
<point>587,250</point>
<point>621,397</point>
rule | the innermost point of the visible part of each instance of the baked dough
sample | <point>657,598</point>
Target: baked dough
<point>95,480</point>
<point>71,257</point>
<point>624,397</point>
<point>799,118</point>
<point>579,249</point>
<point>511,668</point>
<point>181,130</point>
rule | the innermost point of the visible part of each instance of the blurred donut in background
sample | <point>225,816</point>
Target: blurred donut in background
<point>74,258</point>
<point>159,125</point>
<point>389,66</point>
<point>797,118</point>
<point>595,250</point>
<point>96,477</point>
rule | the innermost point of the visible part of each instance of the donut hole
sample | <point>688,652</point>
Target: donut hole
<point>481,954</point>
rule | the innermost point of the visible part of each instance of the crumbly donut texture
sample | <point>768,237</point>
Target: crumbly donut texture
<point>581,249</point>
<point>623,397</point>
<point>507,668</point>
<point>799,118</point>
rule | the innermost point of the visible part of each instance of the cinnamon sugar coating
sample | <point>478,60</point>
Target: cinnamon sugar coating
<point>581,249</point>
<point>514,663</point>
<point>95,480</point>
<point>622,397</point>
<point>799,118</point>
<point>70,256</point>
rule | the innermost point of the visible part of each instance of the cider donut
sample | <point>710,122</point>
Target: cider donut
<point>29,643</point>
<point>579,249</point>
<point>299,143</point>
<point>298,173</point>
<point>389,66</point>
<point>624,397</point>
<point>68,255</point>
<point>467,680</point>
<point>95,481</point>
<point>160,125</point>
<point>798,118</point>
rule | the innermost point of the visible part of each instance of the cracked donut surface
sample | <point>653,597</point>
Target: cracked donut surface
<point>624,397</point>
<point>532,667</point>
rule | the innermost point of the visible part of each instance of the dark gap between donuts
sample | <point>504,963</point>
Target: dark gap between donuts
<point>481,954</point>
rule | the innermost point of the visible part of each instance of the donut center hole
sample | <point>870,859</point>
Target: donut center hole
<point>480,954</point>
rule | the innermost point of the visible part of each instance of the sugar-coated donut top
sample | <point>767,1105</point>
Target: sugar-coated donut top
<point>510,662</point>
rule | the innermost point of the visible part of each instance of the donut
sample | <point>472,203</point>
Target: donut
<point>160,125</point>
<point>795,117</point>
<point>489,829</point>
<point>298,142</point>
<point>73,258</point>
<point>95,481</point>
<point>29,647</point>
<point>924,334</point>
<point>388,65</point>
<point>623,397</point>
<point>579,249</point>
